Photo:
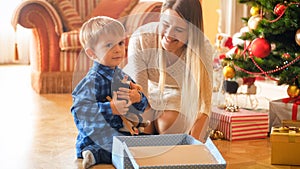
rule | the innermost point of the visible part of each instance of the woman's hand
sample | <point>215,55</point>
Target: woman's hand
<point>119,107</point>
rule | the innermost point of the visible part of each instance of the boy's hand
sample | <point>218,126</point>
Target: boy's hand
<point>119,107</point>
<point>136,86</point>
<point>131,95</point>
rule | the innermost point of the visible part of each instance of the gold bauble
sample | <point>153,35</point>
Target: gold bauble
<point>297,37</point>
<point>253,22</point>
<point>254,10</point>
<point>293,91</point>
<point>228,72</point>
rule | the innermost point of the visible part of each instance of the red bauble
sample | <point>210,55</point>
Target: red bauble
<point>260,48</point>
<point>279,9</point>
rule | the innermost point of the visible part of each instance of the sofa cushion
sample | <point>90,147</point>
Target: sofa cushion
<point>69,41</point>
<point>70,17</point>
<point>113,8</point>
<point>143,12</point>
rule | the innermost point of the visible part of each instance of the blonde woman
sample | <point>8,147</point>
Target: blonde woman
<point>173,60</point>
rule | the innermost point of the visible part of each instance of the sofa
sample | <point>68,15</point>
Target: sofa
<point>55,49</point>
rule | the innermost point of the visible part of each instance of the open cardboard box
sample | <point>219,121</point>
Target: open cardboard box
<point>165,151</point>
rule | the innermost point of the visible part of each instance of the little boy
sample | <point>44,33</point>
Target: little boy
<point>96,109</point>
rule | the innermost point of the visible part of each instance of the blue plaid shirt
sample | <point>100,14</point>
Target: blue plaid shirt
<point>92,112</point>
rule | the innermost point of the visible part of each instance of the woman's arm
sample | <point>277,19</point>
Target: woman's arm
<point>200,128</point>
<point>139,53</point>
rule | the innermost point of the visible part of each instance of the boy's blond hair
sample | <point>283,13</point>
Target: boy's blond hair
<point>92,29</point>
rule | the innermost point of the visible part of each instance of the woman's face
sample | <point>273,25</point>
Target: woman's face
<point>174,31</point>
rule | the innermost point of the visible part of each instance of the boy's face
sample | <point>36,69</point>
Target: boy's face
<point>110,50</point>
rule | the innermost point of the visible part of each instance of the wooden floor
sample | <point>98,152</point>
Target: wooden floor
<point>37,131</point>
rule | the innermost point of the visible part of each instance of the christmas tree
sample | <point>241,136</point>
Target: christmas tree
<point>271,46</point>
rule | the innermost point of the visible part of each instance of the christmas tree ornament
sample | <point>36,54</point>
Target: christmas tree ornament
<point>232,108</point>
<point>260,48</point>
<point>228,72</point>
<point>286,56</point>
<point>248,81</point>
<point>253,22</point>
<point>293,91</point>
<point>254,10</point>
<point>230,86</point>
<point>216,135</point>
<point>223,41</point>
<point>235,53</point>
<point>297,37</point>
<point>273,46</point>
<point>279,9</point>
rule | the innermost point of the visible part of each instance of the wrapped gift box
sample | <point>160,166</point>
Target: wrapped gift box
<point>165,151</point>
<point>240,125</point>
<point>280,110</point>
<point>285,146</point>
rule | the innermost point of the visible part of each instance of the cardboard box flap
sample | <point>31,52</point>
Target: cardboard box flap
<point>155,140</point>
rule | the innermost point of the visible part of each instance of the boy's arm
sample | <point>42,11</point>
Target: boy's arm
<point>137,97</point>
<point>126,122</point>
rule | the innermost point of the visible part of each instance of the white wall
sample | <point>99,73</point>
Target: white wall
<point>8,37</point>
<point>211,18</point>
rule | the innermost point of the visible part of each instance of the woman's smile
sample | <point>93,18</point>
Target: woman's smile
<point>169,39</point>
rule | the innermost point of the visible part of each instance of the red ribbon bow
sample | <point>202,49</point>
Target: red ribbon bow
<point>296,102</point>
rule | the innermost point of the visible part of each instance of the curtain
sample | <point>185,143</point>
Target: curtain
<point>231,14</point>
<point>9,51</point>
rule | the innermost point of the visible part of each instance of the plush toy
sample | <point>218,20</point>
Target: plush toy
<point>133,122</point>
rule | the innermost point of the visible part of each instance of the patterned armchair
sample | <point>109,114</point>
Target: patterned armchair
<point>55,44</point>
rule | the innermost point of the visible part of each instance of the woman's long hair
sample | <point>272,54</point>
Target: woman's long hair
<point>196,91</point>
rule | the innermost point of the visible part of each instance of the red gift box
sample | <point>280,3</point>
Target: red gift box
<point>241,125</point>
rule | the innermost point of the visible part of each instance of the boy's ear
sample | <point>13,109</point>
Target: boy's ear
<point>90,53</point>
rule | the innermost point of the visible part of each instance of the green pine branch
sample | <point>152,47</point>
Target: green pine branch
<point>280,34</point>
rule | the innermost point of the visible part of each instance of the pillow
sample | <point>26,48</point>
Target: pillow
<point>70,17</point>
<point>144,12</point>
<point>113,8</point>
